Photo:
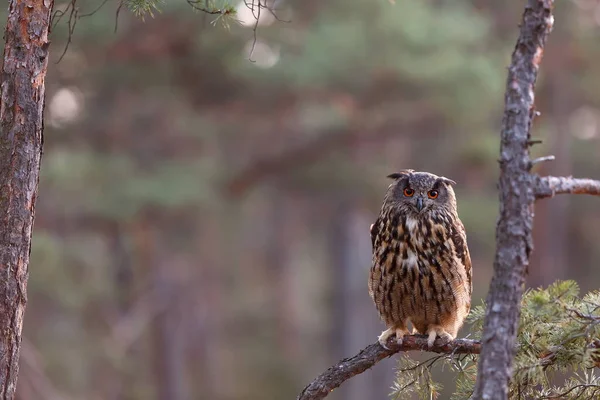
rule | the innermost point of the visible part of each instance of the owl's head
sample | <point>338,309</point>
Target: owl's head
<point>420,193</point>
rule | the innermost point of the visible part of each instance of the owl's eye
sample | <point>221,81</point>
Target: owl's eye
<point>433,194</point>
<point>408,192</point>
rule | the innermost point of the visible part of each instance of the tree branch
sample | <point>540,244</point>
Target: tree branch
<point>517,196</point>
<point>548,186</point>
<point>372,354</point>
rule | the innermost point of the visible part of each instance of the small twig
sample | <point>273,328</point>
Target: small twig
<point>534,142</point>
<point>206,10</point>
<point>271,10</point>
<point>581,315</point>
<point>121,3</point>
<point>59,14</point>
<point>577,387</point>
<point>427,363</point>
<point>254,29</point>
<point>540,160</point>
<point>548,186</point>
<point>372,354</point>
<point>73,17</point>
<point>95,11</point>
<point>73,10</point>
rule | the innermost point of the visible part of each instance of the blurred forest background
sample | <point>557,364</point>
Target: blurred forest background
<point>202,228</point>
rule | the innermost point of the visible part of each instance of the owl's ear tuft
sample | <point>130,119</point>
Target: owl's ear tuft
<point>401,174</point>
<point>447,181</point>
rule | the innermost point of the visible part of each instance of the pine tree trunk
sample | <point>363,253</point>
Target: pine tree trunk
<point>21,113</point>
<point>517,195</point>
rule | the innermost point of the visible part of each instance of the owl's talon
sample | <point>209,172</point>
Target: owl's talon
<point>385,335</point>
<point>431,339</point>
<point>446,339</point>
<point>438,332</point>
<point>400,333</point>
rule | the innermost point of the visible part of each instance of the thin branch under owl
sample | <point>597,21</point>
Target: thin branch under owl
<point>372,354</point>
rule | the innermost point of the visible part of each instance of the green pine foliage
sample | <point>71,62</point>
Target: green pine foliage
<point>144,7</point>
<point>223,9</point>
<point>558,351</point>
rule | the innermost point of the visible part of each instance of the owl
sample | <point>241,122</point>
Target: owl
<point>421,271</point>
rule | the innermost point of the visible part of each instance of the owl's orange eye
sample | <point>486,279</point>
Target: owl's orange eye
<point>433,194</point>
<point>408,192</point>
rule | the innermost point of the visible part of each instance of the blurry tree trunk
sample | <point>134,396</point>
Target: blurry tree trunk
<point>210,302</point>
<point>205,310</point>
<point>124,289</point>
<point>168,349</point>
<point>354,318</point>
<point>343,294</point>
<point>169,344</point>
<point>21,122</point>
<point>279,273</point>
<point>165,331</point>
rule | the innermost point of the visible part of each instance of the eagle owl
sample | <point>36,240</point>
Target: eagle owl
<point>421,272</point>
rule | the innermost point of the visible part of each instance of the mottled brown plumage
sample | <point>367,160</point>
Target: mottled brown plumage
<point>421,272</point>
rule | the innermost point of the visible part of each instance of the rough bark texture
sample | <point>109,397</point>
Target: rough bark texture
<point>372,354</point>
<point>23,73</point>
<point>516,186</point>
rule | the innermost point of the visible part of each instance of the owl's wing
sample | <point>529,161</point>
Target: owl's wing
<point>374,232</point>
<point>459,238</point>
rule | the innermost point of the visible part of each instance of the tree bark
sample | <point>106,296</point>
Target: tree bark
<point>517,195</point>
<point>21,124</point>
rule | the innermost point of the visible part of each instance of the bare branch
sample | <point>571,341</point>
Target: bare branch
<point>516,184</point>
<point>254,29</point>
<point>533,142</point>
<point>195,4</point>
<point>73,17</point>
<point>117,13</point>
<point>95,11</point>
<point>548,186</point>
<point>272,10</point>
<point>540,160</point>
<point>372,354</point>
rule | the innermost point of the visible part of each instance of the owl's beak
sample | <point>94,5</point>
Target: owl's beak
<point>419,203</point>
